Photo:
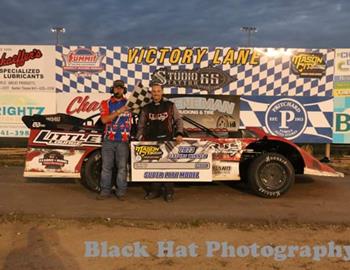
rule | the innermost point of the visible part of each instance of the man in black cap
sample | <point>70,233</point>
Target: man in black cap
<point>159,121</point>
<point>115,146</point>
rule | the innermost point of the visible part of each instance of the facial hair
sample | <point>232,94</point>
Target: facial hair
<point>118,95</point>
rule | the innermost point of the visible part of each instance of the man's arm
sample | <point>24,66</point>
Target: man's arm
<point>106,118</point>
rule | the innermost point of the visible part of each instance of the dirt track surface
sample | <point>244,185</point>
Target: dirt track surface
<point>49,244</point>
<point>44,224</point>
<point>311,200</point>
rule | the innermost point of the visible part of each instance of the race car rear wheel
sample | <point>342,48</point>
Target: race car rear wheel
<point>270,175</point>
<point>91,171</point>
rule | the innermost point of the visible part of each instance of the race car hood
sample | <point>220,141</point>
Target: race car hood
<point>312,165</point>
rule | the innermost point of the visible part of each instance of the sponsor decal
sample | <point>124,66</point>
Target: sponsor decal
<point>148,152</point>
<point>230,149</point>
<point>286,118</point>
<point>55,118</point>
<point>306,64</point>
<point>208,78</point>
<point>158,116</point>
<point>20,58</point>
<point>187,152</point>
<point>67,139</point>
<point>83,62</point>
<point>221,169</point>
<point>53,160</point>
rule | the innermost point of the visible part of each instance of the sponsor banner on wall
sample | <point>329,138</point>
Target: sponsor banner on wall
<point>342,72</point>
<point>200,70</point>
<point>300,119</point>
<point>341,129</point>
<point>15,105</point>
<point>80,104</point>
<point>27,68</point>
<point>161,162</point>
<point>208,110</point>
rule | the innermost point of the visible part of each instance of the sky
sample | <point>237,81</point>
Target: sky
<point>280,23</point>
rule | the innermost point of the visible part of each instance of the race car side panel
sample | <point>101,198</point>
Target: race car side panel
<point>57,153</point>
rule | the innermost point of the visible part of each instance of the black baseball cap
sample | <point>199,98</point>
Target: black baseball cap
<point>119,83</point>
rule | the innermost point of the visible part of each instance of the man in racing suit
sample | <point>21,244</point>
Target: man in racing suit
<point>159,121</point>
<point>115,146</point>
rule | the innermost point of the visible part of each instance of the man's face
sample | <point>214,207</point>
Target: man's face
<point>118,92</point>
<point>157,93</point>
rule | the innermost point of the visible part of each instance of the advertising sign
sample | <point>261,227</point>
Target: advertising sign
<point>342,72</point>
<point>198,70</point>
<point>15,105</point>
<point>80,105</point>
<point>341,129</point>
<point>27,68</point>
<point>162,162</point>
<point>301,119</point>
<point>211,111</point>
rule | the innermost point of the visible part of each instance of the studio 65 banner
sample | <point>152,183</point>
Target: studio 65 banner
<point>27,68</point>
<point>301,119</point>
<point>161,162</point>
<point>198,70</point>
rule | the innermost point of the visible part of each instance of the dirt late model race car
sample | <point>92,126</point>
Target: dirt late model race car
<point>61,145</point>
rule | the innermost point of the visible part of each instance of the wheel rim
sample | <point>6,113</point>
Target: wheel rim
<point>273,176</point>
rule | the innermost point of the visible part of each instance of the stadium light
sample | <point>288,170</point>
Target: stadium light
<point>58,30</point>
<point>249,30</point>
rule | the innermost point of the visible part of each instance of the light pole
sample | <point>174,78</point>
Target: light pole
<point>249,30</point>
<point>58,30</point>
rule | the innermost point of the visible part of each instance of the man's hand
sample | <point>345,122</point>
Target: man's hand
<point>179,139</point>
<point>108,118</point>
<point>120,111</point>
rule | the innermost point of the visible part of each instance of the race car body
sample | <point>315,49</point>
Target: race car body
<point>65,146</point>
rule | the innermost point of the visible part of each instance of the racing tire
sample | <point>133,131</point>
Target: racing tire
<point>270,175</point>
<point>91,171</point>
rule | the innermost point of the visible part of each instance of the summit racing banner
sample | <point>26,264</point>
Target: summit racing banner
<point>190,161</point>
<point>208,110</point>
<point>27,68</point>
<point>198,70</point>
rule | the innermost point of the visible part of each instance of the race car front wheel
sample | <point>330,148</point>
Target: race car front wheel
<point>270,175</point>
<point>91,171</point>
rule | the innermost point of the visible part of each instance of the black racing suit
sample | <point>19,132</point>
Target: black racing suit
<point>159,122</point>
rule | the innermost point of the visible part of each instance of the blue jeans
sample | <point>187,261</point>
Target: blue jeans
<point>114,154</point>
